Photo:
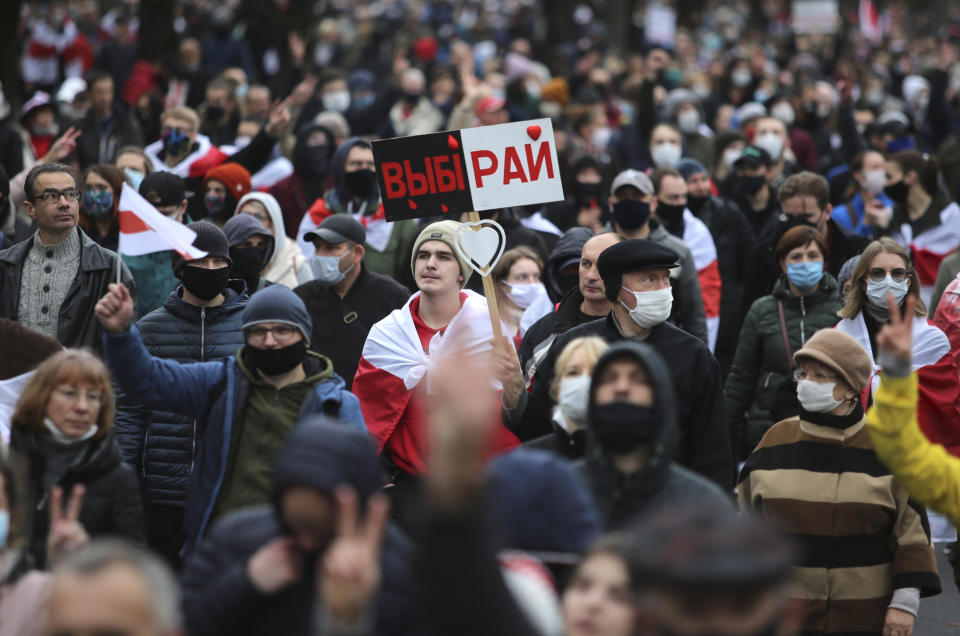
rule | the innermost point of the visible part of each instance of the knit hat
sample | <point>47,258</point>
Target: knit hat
<point>234,176</point>
<point>210,239</point>
<point>441,231</point>
<point>689,167</point>
<point>555,90</point>
<point>277,303</point>
<point>163,188</point>
<point>842,354</point>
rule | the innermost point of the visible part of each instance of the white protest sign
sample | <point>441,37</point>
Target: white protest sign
<point>815,16</point>
<point>512,164</point>
<point>660,24</point>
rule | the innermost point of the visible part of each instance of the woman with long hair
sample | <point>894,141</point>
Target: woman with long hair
<point>100,190</point>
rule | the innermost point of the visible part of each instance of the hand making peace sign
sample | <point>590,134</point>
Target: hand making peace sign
<point>66,532</point>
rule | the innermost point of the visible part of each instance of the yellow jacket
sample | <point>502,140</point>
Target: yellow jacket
<point>929,474</point>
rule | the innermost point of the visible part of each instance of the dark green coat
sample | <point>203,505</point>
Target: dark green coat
<point>761,365</point>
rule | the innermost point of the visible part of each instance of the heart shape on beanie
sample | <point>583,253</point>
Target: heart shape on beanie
<point>481,244</point>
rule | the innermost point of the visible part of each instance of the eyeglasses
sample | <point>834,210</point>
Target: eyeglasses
<point>283,334</point>
<point>877,274</point>
<point>801,374</point>
<point>52,196</point>
<point>71,394</point>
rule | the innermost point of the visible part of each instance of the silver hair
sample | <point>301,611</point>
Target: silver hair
<point>100,554</point>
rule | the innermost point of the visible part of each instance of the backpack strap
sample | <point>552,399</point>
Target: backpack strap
<point>783,332</point>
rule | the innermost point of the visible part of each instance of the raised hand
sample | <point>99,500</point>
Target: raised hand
<point>276,565</point>
<point>896,337</point>
<point>63,146</point>
<point>66,532</point>
<point>350,574</point>
<point>279,117</point>
<point>115,309</point>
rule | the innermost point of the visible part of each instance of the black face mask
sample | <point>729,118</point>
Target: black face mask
<point>312,161</point>
<point>798,221</point>
<point>247,262</point>
<point>622,426</point>
<point>751,184</point>
<point>277,361</point>
<point>696,203</point>
<point>631,214</point>
<point>670,214</point>
<point>360,183</point>
<point>897,191</point>
<point>214,113</point>
<point>586,191</point>
<point>204,283</point>
<point>411,98</point>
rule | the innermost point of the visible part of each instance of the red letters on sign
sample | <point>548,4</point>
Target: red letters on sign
<point>533,167</point>
<point>479,173</point>
<point>513,168</point>
<point>401,179</point>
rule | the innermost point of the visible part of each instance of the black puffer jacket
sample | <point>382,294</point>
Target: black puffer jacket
<point>158,444</point>
<point>661,482</point>
<point>218,595</point>
<point>111,505</point>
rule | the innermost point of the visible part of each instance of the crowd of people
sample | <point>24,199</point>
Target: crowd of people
<point>749,300</point>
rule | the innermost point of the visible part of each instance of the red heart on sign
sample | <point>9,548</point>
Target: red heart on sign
<point>452,142</point>
<point>534,132</point>
<point>443,206</point>
<point>410,202</point>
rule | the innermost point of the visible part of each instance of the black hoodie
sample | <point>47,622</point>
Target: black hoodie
<point>621,498</point>
<point>219,597</point>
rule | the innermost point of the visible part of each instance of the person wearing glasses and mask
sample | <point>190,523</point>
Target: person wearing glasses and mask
<point>866,556</point>
<point>50,282</point>
<point>884,269</point>
<point>245,406</point>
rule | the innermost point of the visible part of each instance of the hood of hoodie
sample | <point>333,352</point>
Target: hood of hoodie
<point>541,504</point>
<point>568,246</point>
<point>664,443</point>
<point>234,294</point>
<point>323,454</point>
<point>276,219</point>
<point>338,166</point>
<point>242,226</point>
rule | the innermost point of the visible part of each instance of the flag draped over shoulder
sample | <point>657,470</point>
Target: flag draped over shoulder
<point>700,241</point>
<point>144,230</point>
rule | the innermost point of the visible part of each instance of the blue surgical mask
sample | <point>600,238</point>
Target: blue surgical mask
<point>805,276</point>
<point>4,528</point>
<point>327,269</point>
<point>136,177</point>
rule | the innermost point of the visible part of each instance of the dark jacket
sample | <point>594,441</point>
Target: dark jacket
<point>761,365</point>
<point>565,253</point>
<point>215,394</point>
<point>100,140</point>
<point>219,597</point>
<point>161,445</point>
<point>661,482</point>
<point>734,240</point>
<point>341,325</point>
<point>516,234</point>
<point>704,439</point>
<point>111,503</point>
<point>541,334</point>
<point>560,442</point>
<point>78,325</point>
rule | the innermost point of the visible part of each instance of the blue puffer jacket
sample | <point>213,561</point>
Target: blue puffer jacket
<point>161,445</point>
<point>215,394</point>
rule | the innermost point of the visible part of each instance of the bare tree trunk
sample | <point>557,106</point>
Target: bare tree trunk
<point>11,50</point>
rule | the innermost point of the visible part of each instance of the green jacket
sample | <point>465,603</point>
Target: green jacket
<point>761,364</point>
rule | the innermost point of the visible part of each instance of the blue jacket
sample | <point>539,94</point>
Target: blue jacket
<point>161,445</point>
<point>214,393</point>
<point>842,215</point>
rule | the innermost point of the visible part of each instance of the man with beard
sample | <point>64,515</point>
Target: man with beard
<point>355,192</point>
<point>245,406</point>
<point>312,154</point>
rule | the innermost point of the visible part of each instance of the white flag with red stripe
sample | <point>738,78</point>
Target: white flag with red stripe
<point>143,229</point>
<point>698,238</point>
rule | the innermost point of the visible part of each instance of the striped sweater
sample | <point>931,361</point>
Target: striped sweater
<point>860,536</point>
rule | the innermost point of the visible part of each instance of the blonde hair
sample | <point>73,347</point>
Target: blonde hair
<point>593,346</point>
<point>181,112</point>
<point>67,366</point>
<point>858,285</point>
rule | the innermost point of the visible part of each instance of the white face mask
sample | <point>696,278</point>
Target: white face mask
<point>574,396</point>
<point>784,112</point>
<point>338,101</point>
<point>741,77</point>
<point>601,137</point>
<point>552,110</point>
<point>771,143</point>
<point>688,121</point>
<point>653,307</point>
<point>666,155</point>
<point>524,295</point>
<point>877,292</point>
<point>327,269</point>
<point>65,439</point>
<point>816,397</point>
<point>874,180</point>
<point>730,156</point>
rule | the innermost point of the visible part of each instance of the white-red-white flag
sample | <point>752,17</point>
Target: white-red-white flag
<point>870,21</point>
<point>143,229</point>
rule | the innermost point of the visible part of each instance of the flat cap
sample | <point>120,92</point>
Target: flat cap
<point>338,228</point>
<point>630,256</point>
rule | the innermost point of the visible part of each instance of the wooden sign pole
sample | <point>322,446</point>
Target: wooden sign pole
<point>490,292</point>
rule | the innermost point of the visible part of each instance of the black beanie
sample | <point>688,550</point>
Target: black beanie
<point>210,239</point>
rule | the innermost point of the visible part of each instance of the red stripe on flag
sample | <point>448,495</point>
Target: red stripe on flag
<point>130,223</point>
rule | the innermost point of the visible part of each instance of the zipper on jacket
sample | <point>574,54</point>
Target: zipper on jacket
<point>203,339</point>
<point>803,313</point>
